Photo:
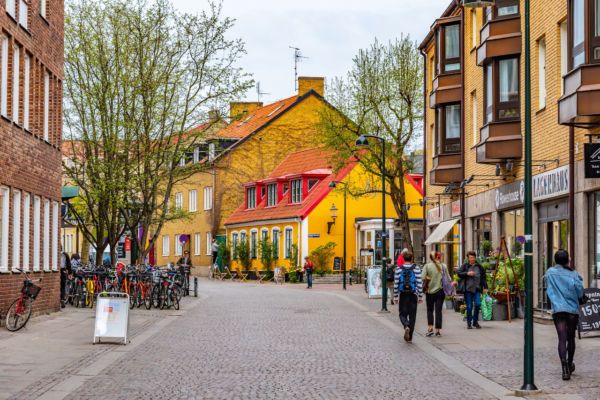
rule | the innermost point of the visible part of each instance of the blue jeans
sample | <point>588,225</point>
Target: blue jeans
<point>309,278</point>
<point>470,298</point>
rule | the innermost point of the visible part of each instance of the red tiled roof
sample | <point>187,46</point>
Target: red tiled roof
<point>314,161</point>
<point>242,128</point>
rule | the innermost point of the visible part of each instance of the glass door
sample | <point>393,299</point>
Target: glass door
<point>553,235</point>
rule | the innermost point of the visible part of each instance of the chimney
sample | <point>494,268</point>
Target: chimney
<point>238,110</point>
<point>213,115</point>
<point>307,83</point>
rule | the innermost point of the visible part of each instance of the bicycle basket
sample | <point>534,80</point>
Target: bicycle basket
<point>32,291</point>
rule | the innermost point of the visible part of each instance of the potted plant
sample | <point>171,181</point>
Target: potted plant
<point>449,302</point>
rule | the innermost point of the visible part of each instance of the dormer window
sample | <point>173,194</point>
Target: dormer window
<point>297,191</point>
<point>312,183</point>
<point>251,198</point>
<point>271,195</point>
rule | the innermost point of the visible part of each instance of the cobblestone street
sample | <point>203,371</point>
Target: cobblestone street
<point>248,341</point>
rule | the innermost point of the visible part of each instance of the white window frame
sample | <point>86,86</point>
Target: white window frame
<point>196,156</point>
<point>243,236</point>
<point>208,198</point>
<point>197,243</point>
<point>37,208</point>
<point>26,89</point>
<point>46,106</point>
<point>212,152</point>
<point>55,235</point>
<point>262,233</point>
<point>179,200</point>
<point>287,247</point>
<point>178,246</point>
<point>254,244</point>
<point>235,237</point>
<point>26,229</point>
<point>4,223</point>
<point>23,13</point>
<point>271,194</point>
<point>193,200</point>
<point>474,117</point>
<point>277,231</point>
<point>15,83</point>
<point>46,234</point>
<point>4,78</point>
<point>208,244</point>
<point>251,198</point>
<point>473,29</point>
<point>16,231</point>
<point>11,7</point>
<point>43,11</point>
<point>564,54</point>
<point>296,188</point>
<point>542,73</point>
<point>166,245</point>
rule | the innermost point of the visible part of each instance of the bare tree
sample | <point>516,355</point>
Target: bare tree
<point>140,78</point>
<point>382,95</point>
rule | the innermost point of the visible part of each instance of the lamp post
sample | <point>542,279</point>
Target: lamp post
<point>332,185</point>
<point>528,360</point>
<point>363,141</point>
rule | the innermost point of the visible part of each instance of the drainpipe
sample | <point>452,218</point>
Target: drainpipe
<point>463,230</point>
<point>425,172</point>
<point>572,194</point>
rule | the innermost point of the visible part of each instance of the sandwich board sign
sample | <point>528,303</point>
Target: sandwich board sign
<point>112,317</point>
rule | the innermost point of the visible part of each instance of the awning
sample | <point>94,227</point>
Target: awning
<point>69,192</point>
<point>440,232</point>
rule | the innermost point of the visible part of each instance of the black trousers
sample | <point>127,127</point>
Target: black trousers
<point>566,324</point>
<point>63,283</point>
<point>407,306</point>
<point>435,302</point>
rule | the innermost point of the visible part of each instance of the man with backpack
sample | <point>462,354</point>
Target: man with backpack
<point>408,289</point>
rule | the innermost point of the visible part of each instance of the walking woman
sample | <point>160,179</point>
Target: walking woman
<point>565,291</point>
<point>434,293</point>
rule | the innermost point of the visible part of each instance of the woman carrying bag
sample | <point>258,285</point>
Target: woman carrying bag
<point>437,283</point>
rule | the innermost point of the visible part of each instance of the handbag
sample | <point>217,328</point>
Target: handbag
<point>461,288</point>
<point>447,282</point>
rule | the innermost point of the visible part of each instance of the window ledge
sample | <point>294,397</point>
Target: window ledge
<point>44,19</point>
<point>7,119</point>
<point>26,30</point>
<point>541,110</point>
<point>12,17</point>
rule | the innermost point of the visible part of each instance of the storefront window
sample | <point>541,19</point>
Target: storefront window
<point>513,230</point>
<point>482,235</point>
<point>594,264</point>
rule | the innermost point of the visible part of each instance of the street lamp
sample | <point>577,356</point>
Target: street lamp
<point>528,366</point>
<point>363,141</point>
<point>334,212</point>
<point>332,185</point>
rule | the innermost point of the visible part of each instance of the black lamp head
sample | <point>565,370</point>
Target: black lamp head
<point>362,141</point>
<point>332,184</point>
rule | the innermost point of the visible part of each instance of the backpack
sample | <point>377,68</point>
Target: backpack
<point>407,282</point>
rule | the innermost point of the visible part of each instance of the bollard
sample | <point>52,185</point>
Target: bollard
<point>195,286</point>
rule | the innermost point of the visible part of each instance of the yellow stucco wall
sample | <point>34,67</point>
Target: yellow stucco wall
<point>251,160</point>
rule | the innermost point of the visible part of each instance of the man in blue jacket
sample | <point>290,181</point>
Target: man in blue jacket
<point>565,291</point>
<point>408,290</point>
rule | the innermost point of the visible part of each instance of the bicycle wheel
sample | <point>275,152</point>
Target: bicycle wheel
<point>156,296</point>
<point>148,296</point>
<point>69,291</point>
<point>79,299</point>
<point>18,314</point>
<point>132,295</point>
<point>176,293</point>
<point>164,299</point>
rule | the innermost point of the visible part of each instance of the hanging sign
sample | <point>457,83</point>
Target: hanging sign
<point>592,160</point>
<point>551,184</point>
<point>589,313</point>
<point>456,208</point>
<point>434,216</point>
<point>127,244</point>
<point>510,196</point>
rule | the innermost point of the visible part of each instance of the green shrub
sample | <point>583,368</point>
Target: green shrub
<point>266,254</point>
<point>322,256</point>
<point>224,253</point>
<point>242,251</point>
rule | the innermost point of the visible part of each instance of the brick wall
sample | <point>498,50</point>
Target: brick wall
<point>29,163</point>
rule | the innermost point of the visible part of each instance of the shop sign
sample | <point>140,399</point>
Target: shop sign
<point>434,216</point>
<point>456,208</point>
<point>510,196</point>
<point>592,160</point>
<point>551,184</point>
<point>589,313</point>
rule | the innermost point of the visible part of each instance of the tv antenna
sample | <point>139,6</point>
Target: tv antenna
<point>297,58</point>
<point>258,92</point>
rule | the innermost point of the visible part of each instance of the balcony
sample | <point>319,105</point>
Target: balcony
<point>500,141</point>
<point>447,168</point>
<point>580,105</point>
<point>501,37</point>
<point>446,89</point>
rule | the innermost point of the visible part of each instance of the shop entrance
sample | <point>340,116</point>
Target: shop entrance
<point>553,231</point>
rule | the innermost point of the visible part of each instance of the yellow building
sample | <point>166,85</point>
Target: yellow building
<point>475,107</point>
<point>256,140</point>
<point>296,205</point>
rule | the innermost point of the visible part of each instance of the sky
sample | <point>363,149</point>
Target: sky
<point>328,32</point>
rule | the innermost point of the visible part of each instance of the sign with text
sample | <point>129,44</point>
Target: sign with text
<point>434,216</point>
<point>589,313</point>
<point>551,184</point>
<point>456,208</point>
<point>337,263</point>
<point>112,317</point>
<point>510,196</point>
<point>592,160</point>
<point>374,282</point>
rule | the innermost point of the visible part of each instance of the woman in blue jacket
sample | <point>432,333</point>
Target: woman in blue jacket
<point>565,291</point>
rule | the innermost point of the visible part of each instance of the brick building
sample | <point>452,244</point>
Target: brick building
<point>31,73</point>
<point>475,103</point>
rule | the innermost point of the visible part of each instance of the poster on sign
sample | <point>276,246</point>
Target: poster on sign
<point>589,313</point>
<point>112,317</point>
<point>374,282</point>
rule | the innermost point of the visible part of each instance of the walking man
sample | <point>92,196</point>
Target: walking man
<point>308,271</point>
<point>408,290</point>
<point>565,291</point>
<point>474,283</point>
<point>215,251</point>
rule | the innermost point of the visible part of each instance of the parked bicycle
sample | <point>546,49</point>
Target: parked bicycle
<point>19,311</point>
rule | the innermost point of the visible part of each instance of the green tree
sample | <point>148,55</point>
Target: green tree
<point>322,257</point>
<point>139,77</point>
<point>242,251</point>
<point>266,253</point>
<point>224,253</point>
<point>382,94</point>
